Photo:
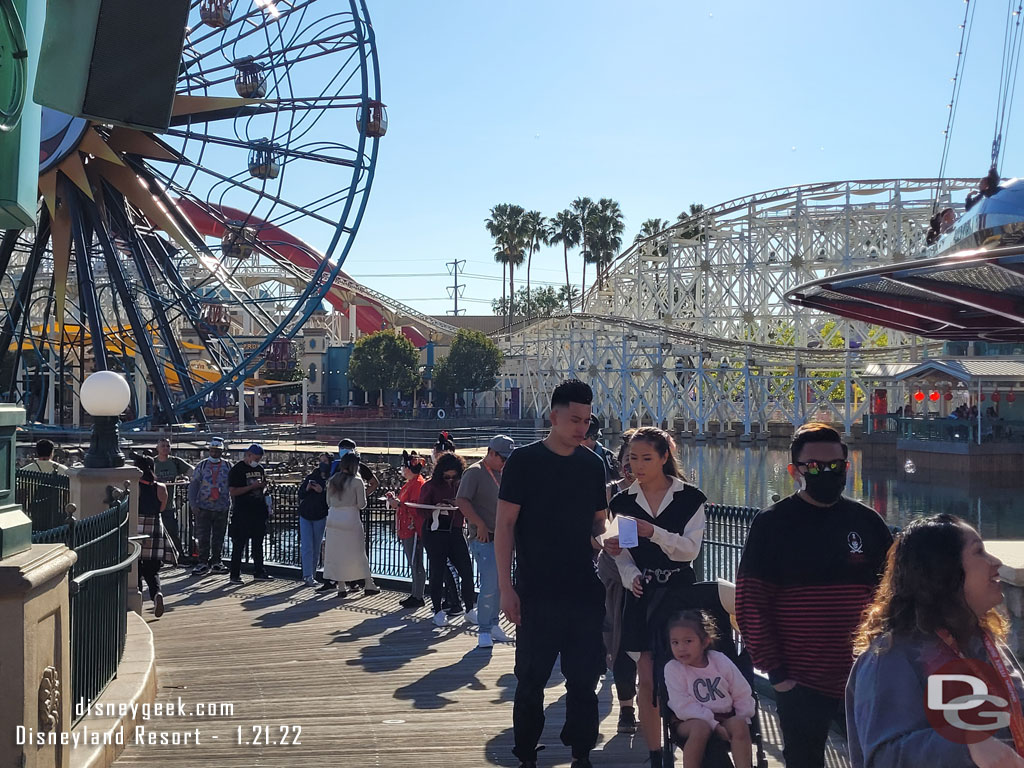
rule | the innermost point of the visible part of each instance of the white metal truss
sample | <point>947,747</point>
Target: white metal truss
<point>692,331</point>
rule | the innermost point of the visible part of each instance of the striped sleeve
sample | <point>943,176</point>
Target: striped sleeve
<point>756,602</point>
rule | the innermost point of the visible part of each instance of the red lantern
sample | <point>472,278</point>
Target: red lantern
<point>919,395</point>
<point>949,395</point>
<point>995,397</point>
<point>933,396</point>
<point>1010,397</point>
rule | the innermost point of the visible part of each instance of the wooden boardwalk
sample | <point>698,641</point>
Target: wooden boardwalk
<point>354,682</point>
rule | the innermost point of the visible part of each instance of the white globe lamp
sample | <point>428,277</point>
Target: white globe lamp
<point>105,396</point>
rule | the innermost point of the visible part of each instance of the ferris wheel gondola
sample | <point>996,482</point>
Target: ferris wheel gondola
<point>258,129</point>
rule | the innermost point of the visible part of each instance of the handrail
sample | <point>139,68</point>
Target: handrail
<point>78,581</point>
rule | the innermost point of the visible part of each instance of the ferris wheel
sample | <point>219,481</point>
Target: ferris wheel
<point>154,252</point>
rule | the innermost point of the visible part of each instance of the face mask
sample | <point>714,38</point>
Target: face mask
<point>254,463</point>
<point>825,487</point>
<point>343,451</point>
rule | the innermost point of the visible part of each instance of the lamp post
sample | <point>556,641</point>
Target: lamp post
<point>105,395</point>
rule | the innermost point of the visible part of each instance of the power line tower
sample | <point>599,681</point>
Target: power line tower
<point>456,289</point>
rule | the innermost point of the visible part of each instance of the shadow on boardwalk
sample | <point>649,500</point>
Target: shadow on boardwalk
<point>358,681</point>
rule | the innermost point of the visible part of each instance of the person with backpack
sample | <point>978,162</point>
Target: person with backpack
<point>43,461</point>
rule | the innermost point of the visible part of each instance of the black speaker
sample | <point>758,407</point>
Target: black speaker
<point>112,61</point>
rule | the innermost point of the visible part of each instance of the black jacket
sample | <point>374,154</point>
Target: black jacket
<point>313,505</point>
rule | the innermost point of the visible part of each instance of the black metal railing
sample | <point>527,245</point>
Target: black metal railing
<point>725,533</point>
<point>43,496</point>
<point>98,597</point>
<point>724,537</point>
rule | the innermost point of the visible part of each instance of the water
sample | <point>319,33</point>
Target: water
<point>749,476</point>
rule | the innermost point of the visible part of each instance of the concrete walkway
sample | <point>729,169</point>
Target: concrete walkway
<point>291,677</point>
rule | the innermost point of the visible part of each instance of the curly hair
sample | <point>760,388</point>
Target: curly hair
<point>700,622</point>
<point>922,589</point>
<point>447,463</point>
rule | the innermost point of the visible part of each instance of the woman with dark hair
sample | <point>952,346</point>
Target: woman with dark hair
<point>934,613</point>
<point>669,516</point>
<point>152,500</point>
<point>345,558</point>
<point>313,517</point>
<point>409,524</point>
<point>443,537</point>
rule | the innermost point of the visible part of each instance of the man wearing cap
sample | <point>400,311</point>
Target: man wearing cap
<point>247,483</point>
<point>477,498</point>
<point>369,479</point>
<point>210,500</point>
<point>591,441</point>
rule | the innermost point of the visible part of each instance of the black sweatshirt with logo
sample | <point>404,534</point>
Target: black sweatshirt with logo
<point>806,576</point>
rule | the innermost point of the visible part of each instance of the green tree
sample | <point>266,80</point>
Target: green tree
<point>537,231</point>
<point>471,365</point>
<point>695,228</point>
<point>583,207</point>
<point>384,360</point>
<point>566,229</point>
<point>650,228</point>
<point>606,228</point>
<point>508,229</point>
<point>541,302</point>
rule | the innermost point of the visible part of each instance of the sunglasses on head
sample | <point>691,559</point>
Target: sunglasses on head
<point>817,467</point>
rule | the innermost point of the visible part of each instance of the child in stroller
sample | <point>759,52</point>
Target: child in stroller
<point>701,613</point>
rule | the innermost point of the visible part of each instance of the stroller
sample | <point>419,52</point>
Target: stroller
<point>704,596</point>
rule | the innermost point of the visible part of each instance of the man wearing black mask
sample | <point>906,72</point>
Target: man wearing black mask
<point>810,566</point>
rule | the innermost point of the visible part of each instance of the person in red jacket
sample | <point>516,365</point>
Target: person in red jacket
<point>811,565</point>
<point>409,524</point>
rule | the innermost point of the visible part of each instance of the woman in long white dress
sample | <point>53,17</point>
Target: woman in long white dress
<point>345,558</point>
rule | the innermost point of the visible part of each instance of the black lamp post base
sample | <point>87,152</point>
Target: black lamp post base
<point>104,449</point>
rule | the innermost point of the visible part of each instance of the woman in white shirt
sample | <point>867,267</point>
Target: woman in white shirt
<point>345,558</point>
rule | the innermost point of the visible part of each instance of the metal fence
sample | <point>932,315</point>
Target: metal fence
<point>724,536</point>
<point>98,596</point>
<point>43,496</point>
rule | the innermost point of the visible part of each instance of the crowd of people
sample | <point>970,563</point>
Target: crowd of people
<point>848,621</point>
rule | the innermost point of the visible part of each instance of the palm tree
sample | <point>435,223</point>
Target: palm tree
<point>583,207</point>
<point>650,228</point>
<point>694,231</point>
<point>607,225</point>
<point>566,230</point>
<point>538,233</point>
<point>506,227</point>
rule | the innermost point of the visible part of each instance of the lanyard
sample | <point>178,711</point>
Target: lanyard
<point>491,473</point>
<point>996,660</point>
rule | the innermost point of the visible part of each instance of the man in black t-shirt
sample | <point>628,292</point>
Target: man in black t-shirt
<point>247,484</point>
<point>551,503</point>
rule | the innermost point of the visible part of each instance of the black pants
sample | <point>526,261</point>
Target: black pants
<point>149,570</point>
<point>238,543</point>
<point>441,547</point>
<point>170,520</point>
<point>624,675</point>
<point>805,716</point>
<point>569,626</point>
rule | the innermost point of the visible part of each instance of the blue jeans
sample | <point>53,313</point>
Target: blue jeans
<point>488,603</point>
<point>311,536</point>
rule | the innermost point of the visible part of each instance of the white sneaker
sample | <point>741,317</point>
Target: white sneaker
<point>499,636</point>
<point>310,581</point>
<point>471,616</point>
<point>440,619</point>
<point>484,641</point>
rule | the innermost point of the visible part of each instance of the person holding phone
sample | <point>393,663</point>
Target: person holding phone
<point>247,485</point>
<point>443,538</point>
<point>313,517</point>
<point>667,515</point>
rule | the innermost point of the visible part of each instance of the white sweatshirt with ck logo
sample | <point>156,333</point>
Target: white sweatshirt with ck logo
<point>703,692</point>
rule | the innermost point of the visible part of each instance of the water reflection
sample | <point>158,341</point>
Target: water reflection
<point>750,475</point>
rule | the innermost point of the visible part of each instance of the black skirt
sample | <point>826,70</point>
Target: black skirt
<point>643,616</point>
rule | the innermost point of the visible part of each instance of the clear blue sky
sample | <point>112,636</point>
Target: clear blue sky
<point>654,104</point>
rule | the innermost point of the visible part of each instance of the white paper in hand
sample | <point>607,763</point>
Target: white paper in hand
<point>628,536</point>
